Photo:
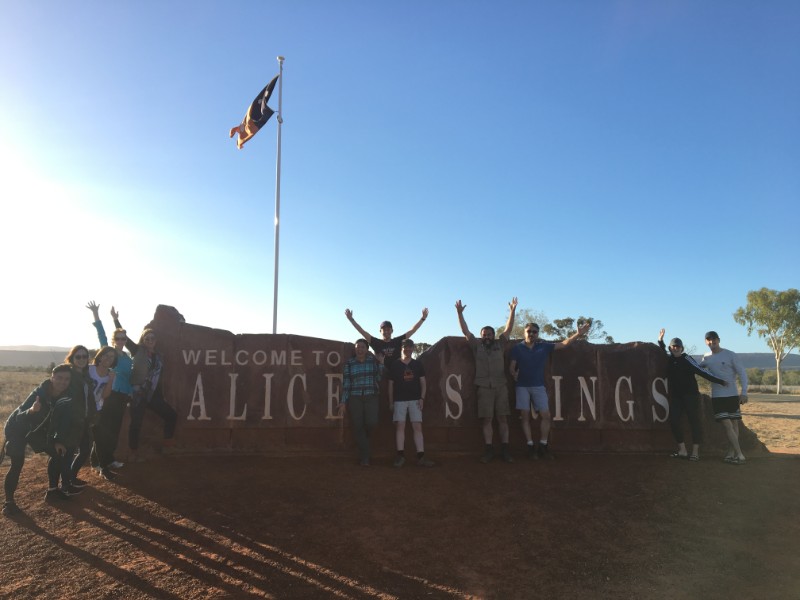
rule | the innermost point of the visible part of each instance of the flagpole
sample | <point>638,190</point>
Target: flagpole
<point>278,198</point>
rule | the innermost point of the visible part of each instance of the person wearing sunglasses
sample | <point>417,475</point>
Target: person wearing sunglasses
<point>121,390</point>
<point>83,410</point>
<point>684,396</point>
<point>528,361</point>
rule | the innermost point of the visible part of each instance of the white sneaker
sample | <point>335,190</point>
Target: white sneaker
<point>116,465</point>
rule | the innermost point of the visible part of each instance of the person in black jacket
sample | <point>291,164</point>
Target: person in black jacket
<point>26,418</point>
<point>684,395</point>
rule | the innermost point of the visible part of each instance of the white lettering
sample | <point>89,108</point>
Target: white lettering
<point>453,396</point>
<point>224,359</point>
<point>211,358</point>
<point>317,356</point>
<point>191,357</point>
<point>297,358</point>
<point>590,402</point>
<point>278,358</point>
<point>333,394</point>
<point>242,362</point>
<point>232,413</point>
<point>198,400</point>
<point>267,395</point>
<point>290,396</point>
<point>557,379</point>
<point>629,417</point>
<point>334,358</point>
<point>661,400</point>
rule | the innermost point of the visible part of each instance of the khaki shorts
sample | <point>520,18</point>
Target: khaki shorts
<point>493,402</point>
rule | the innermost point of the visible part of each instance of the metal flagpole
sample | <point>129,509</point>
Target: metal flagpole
<point>278,198</point>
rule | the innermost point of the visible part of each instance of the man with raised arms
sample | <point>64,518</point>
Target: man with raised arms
<point>386,344</point>
<point>528,361</point>
<point>490,380</point>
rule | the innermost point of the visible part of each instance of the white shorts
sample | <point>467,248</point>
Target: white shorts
<point>532,396</point>
<point>410,408</point>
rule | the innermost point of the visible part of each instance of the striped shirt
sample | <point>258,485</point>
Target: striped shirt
<point>361,378</point>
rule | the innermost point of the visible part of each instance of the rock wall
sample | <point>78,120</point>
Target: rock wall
<point>278,394</point>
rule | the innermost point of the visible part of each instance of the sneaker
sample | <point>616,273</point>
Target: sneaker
<point>108,474</point>
<point>399,461</point>
<point>10,509</point>
<point>77,482</point>
<point>425,462</point>
<point>531,452</point>
<point>116,465</point>
<point>55,494</point>
<point>73,491</point>
<point>487,457</point>
<point>544,452</point>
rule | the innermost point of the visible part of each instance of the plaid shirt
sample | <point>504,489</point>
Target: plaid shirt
<point>361,378</point>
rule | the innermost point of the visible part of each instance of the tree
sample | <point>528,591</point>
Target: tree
<point>522,318</point>
<point>776,316</point>
<point>561,329</point>
<point>420,347</point>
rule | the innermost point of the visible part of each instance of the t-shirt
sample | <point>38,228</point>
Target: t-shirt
<point>100,382</point>
<point>390,349</point>
<point>725,365</point>
<point>406,379</point>
<point>531,362</point>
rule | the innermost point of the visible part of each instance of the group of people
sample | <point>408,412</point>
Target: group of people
<point>406,389</point>
<point>76,415</point>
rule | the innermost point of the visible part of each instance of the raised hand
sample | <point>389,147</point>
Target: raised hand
<point>95,308</point>
<point>460,307</point>
<point>425,313</point>
<point>114,314</point>
<point>348,313</point>
<point>661,334</point>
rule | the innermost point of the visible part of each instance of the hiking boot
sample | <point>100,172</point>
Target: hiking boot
<point>544,452</point>
<point>531,452</point>
<point>399,461</point>
<point>488,455</point>
<point>425,462</point>
<point>10,509</point>
<point>77,482</point>
<point>55,494</point>
<point>73,491</point>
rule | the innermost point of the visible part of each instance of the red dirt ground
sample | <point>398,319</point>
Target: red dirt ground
<point>582,526</point>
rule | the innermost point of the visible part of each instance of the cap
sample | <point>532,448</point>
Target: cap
<point>712,335</point>
<point>676,342</point>
<point>386,325</point>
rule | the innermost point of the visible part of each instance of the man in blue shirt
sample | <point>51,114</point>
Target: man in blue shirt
<point>528,360</point>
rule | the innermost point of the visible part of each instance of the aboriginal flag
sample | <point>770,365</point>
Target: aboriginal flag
<point>257,115</point>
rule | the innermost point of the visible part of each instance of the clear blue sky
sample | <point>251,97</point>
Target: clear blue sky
<point>636,161</point>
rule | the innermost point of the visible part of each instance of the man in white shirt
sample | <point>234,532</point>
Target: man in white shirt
<point>724,399</point>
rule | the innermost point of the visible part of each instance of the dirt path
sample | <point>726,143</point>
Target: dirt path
<point>582,526</point>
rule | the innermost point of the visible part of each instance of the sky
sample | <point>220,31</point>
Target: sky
<point>632,161</point>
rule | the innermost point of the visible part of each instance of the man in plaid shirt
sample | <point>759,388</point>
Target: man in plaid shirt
<point>360,395</point>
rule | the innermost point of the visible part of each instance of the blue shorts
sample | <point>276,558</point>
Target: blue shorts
<point>532,396</point>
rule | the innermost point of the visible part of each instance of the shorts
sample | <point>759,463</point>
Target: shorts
<point>533,396</point>
<point>726,408</point>
<point>493,402</point>
<point>407,407</point>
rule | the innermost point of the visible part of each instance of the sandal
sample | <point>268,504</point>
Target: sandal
<point>694,458</point>
<point>678,455</point>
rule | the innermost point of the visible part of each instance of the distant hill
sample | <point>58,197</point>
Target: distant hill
<point>765,360</point>
<point>32,358</point>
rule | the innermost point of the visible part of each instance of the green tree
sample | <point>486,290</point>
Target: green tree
<point>776,316</point>
<point>561,329</point>
<point>522,318</point>
<point>754,376</point>
<point>420,347</point>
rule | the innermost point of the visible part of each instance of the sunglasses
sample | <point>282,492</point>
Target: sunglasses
<point>81,357</point>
